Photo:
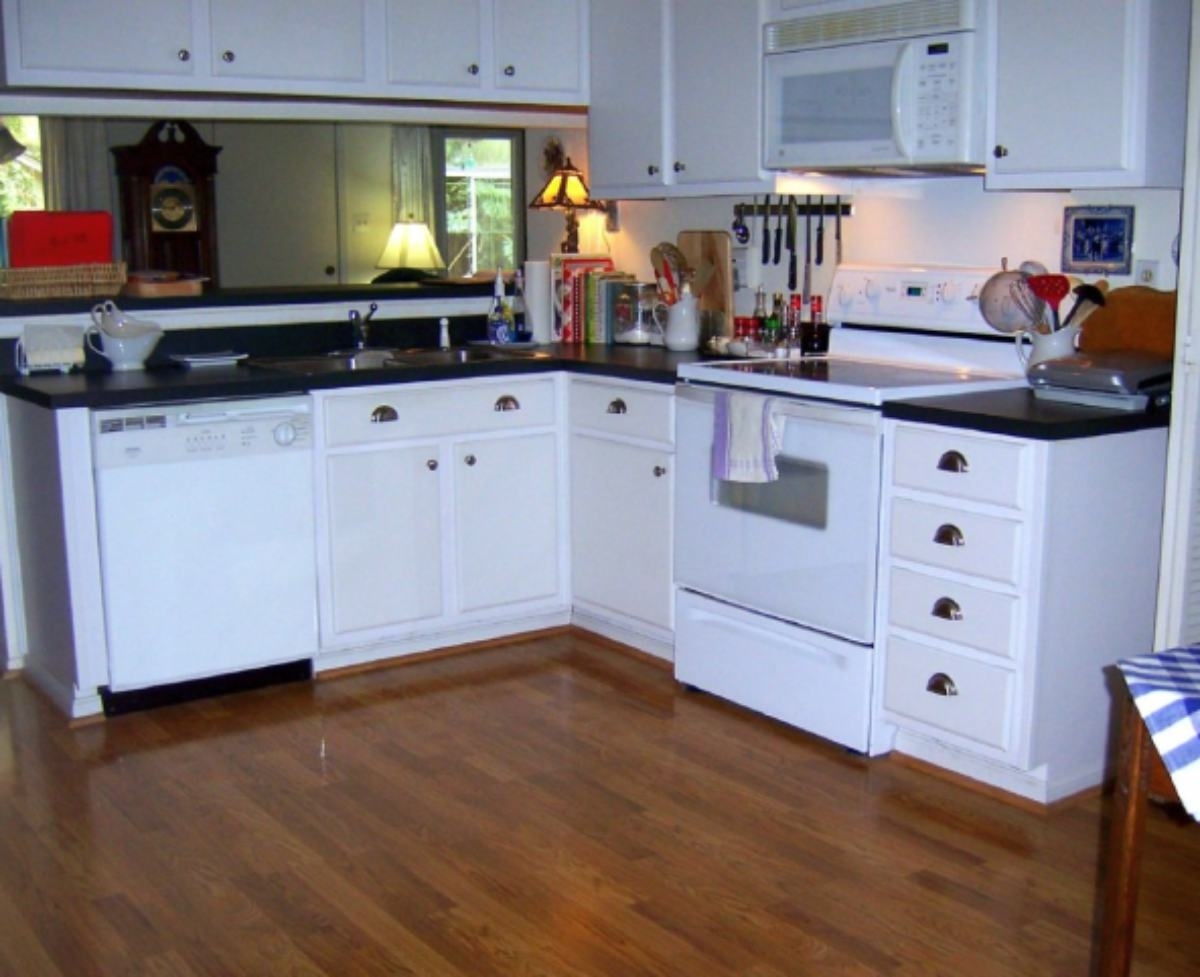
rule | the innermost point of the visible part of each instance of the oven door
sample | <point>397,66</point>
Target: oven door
<point>802,548</point>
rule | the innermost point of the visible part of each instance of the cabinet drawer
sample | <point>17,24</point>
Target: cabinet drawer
<point>962,465</point>
<point>393,413</point>
<point>980,704</point>
<point>953,611</point>
<point>984,546</point>
<point>612,408</point>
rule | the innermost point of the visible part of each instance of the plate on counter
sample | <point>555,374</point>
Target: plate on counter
<point>223,358</point>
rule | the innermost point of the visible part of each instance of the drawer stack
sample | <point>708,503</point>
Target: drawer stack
<point>957,576</point>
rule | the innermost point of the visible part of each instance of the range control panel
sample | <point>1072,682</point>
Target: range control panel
<point>940,298</point>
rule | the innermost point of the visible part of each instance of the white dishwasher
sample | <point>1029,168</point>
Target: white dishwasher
<point>207,540</point>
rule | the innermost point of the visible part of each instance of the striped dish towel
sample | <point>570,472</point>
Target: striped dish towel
<point>747,435</point>
<point>1166,690</point>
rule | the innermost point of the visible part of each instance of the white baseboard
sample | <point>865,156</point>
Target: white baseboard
<point>653,641</point>
<point>76,704</point>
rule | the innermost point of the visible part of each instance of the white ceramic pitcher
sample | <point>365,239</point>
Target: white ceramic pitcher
<point>683,323</point>
<point>1034,347</point>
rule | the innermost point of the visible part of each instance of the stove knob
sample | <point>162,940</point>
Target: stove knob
<point>949,292</point>
<point>284,434</point>
<point>845,295</point>
<point>872,289</point>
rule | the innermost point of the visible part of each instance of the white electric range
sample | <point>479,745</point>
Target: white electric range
<point>777,580</point>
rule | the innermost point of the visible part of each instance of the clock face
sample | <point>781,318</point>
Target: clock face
<point>172,207</point>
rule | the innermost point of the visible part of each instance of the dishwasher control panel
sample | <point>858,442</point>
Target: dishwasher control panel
<point>199,431</point>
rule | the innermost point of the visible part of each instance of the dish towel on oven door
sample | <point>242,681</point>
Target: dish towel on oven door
<point>747,435</point>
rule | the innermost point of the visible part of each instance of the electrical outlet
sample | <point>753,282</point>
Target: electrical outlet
<point>1145,272</point>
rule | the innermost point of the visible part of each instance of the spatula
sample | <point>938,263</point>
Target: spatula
<point>1051,289</point>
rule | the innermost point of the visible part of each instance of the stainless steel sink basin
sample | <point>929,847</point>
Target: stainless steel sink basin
<point>390,359</point>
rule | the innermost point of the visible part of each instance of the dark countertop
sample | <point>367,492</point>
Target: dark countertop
<point>175,383</point>
<point>1019,413</point>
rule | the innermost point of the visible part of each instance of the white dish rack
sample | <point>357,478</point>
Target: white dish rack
<point>50,348</point>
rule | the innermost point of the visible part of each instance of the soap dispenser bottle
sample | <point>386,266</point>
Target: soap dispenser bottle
<point>498,326</point>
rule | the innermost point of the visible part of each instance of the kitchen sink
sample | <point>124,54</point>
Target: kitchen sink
<point>390,359</point>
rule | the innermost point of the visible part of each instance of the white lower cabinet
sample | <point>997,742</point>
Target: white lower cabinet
<point>1015,572</point>
<point>622,470</point>
<point>439,515</point>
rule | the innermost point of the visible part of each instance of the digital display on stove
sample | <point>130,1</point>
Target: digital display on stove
<point>914,291</point>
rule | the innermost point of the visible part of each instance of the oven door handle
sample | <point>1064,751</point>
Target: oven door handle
<point>856,415</point>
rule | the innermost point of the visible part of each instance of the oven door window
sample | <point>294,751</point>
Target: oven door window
<point>800,496</point>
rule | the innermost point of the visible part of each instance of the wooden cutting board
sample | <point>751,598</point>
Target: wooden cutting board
<point>709,255</point>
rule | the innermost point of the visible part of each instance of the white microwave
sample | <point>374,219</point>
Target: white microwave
<point>866,91</point>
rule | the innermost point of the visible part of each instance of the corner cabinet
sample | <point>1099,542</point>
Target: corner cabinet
<point>667,117</point>
<point>622,473</point>
<point>520,51</point>
<point>439,515</point>
<point>1014,572</point>
<point>1087,93</point>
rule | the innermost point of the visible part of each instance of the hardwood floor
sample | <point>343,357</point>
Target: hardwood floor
<point>549,808</point>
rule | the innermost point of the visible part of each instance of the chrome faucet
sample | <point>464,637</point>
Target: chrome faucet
<point>358,325</point>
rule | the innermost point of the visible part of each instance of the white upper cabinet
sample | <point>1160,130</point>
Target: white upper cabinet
<point>675,106</point>
<point>515,51</point>
<point>71,42</point>
<point>1088,93</point>
<point>309,40</point>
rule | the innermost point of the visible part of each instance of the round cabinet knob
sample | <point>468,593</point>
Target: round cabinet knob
<point>652,170</point>
<point>228,57</point>
<point>184,54</point>
<point>470,460</point>
<point>999,152</point>
<point>472,69</point>
<point>431,464</point>
<point>679,167</point>
<point>659,471</point>
<point>872,290</point>
<point>284,434</point>
<point>509,71</point>
<point>330,270</point>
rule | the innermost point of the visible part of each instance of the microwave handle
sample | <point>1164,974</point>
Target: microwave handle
<point>900,118</point>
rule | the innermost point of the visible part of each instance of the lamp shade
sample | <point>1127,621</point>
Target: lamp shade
<point>10,148</point>
<point>410,245</point>
<point>565,189</point>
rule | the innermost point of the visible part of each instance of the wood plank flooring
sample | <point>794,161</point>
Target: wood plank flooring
<point>550,808</point>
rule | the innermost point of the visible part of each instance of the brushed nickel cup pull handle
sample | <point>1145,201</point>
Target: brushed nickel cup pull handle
<point>947,609</point>
<point>659,471</point>
<point>384,414</point>
<point>953,461</point>
<point>616,406</point>
<point>228,57</point>
<point>470,460</point>
<point>949,535</point>
<point>184,54</point>
<point>941,684</point>
<point>431,464</point>
<point>507,402</point>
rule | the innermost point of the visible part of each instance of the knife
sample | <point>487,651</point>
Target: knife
<point>820,259</point>
<point>779,231</point>
<point>791,230</point>
<point>837,229</point>
<point>766,226</point>
<point>806,291</point>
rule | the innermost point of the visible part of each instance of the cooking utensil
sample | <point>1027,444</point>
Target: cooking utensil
<point>1033,308</point>
<point>1051,289</point>
<point>837,229</point>
<point>741,232</point>
<point>1088,298</point>
<point>779,232</point>
<point>766,230</point>
<point>808,253</point>
<point>670,266</point>
<point>997,305</point>
<point>791,244</point>
<point>820,258</point>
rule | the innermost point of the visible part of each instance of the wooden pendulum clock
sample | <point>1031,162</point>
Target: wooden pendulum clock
<point>168,201</point>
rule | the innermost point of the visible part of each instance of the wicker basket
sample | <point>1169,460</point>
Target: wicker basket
<point>62,281</point>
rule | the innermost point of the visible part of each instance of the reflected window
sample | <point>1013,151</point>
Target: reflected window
<point>479,198</point>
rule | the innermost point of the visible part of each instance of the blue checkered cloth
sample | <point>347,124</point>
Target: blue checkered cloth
<point>1166,690</point>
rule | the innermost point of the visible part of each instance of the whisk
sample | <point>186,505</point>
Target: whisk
<point>1032,307</point>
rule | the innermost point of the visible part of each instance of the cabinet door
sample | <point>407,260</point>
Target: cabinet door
<point>385,537</point>
<point>321,40</point>
<point>621,528</point>
<point>74,36</point>
<point>424,50</point>
<point>506,521</point>
<point>537,46</point>
<point>716,111</point>
<point>626,130</point>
